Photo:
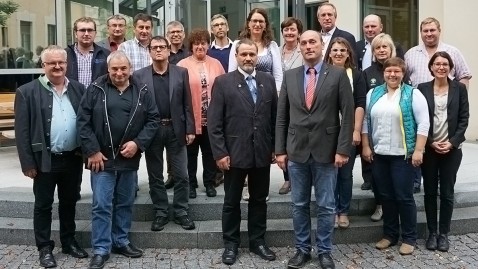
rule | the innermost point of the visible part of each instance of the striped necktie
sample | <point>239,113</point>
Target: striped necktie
<point>310,88</point>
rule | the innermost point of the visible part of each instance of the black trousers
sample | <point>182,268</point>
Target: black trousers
<point>367,176</point>
<point>258,183</point>
<point>65,172</point>
<point>208,163</point>
<point>440,167</point>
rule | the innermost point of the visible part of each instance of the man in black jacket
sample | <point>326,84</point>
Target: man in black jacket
<point>117,121</point>
<point>48,148</point>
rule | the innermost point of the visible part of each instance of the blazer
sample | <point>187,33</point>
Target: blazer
<point>360,52</point>
<point>458,112</point>
<point>320,132</point>
<point>179,98</point>
<point>344,34</point>
<point>237,127</point>
<point>33,122</point>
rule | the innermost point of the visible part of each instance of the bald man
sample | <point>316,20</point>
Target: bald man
<point>372,26</point>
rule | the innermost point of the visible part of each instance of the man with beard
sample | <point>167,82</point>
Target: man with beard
<point>116,33</point>
<point>137,48</point>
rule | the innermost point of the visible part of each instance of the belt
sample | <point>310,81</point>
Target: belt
<point>165,122</point>
<point>63,153</point>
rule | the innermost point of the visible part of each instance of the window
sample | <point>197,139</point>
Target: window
<point>26,35</point>
<point>51,30</point>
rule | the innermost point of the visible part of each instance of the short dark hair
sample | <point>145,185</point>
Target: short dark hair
<point>289,21</point>
<point>442,54</point>
<point>83,19</point>
<point>159,38</point>
<point>142,17</point>
<point>246,41</point>
<point>395,61</point>
<point>198,35</point>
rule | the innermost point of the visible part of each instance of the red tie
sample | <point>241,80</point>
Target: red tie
<point>310,89</point>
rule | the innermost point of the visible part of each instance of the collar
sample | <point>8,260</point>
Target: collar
<point>422,47</point>
<point>46,82</point>
<point>215,46</point>
<point>78,50</point>
<point>253,74</point>
<point>111,41</point>
<point>317,67</point>
<point>329,33</point>
<point>136,41</point>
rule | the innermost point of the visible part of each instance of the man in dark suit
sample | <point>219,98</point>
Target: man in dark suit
<point>241,124</point>
<point>49,150</point>
<point>312,142</point>
<point>327,15</point>
<point>372,26</point>
<point>170,85</point>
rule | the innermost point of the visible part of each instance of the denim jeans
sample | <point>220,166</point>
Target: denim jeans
<point>395,176</point>
<point>343,189</point>
<point>323,177</point>
<point>112,209</point>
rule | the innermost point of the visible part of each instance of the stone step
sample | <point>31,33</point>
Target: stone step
<point>208,234</point>
<point>19,204</point>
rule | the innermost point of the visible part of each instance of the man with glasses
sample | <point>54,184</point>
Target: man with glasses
<point>137,48</point>
<point>116,33</point>
<point>49,150</point>
<point>221,46</point>
<point>170,87</point>
<point>176,35</point>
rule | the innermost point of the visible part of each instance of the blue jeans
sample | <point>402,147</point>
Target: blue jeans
<point>112,209</point>
<point>343,190</point>
<point>323,177</point>
<point>395,176</point>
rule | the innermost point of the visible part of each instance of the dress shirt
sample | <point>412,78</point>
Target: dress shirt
<point>367,57</point>
<point>161,92</point>
<point>138,54</point>
<point>84,65</point>
<point>326,37</point>
<point>317,68</point>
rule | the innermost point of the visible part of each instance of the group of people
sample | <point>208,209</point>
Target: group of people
<point>311,106</point>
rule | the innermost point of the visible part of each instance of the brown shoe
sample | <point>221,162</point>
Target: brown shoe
<point>285,189</point>
<point>383,244</point>
<point>406,249</point>
<point>344,222</point>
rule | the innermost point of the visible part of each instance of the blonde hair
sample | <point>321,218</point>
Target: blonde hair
<point>383,39</point>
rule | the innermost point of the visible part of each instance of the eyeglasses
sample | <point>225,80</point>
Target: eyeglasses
<point>444,65</point>
<point>84,30</point>
<point>53,64</point>
<point>216,25</point>
<point>258,21</point>
<point>175,32</point>
<point>341,50</point>
<point>160,47</point>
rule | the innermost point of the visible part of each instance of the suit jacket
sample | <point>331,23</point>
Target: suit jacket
<point>319,133</point>
<point>458,111</point>
<point>179,98</point>
<point>344,34</point>
<point>360,52</point>
<point>239,128</point>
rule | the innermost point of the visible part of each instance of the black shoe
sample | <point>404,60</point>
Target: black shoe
<point>192,192</point>
<point>211,191</point>
<point>185,222</point>
<point>229,255</point>
<point>326,261</point>
<point>169,183</point>
<point>129,251</point>
<point>98,261</point>
<point>416,188</point>
<point>219,179</point>
<point>431,242</point>
<point>159,223</point>
<point>298,260</point>
<point>264,252</point>
<point>74,250</point>
<point>366,186</point>
<point>443,244</point>
<point>47,259</point>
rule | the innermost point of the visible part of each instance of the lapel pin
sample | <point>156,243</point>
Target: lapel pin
<point>239,85</point>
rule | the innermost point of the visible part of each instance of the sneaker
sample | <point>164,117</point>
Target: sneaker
<point>383,244</point>
<point>285,189</point>
<point>185,222</point>
<point>406,249</point>
<point>378,214</point>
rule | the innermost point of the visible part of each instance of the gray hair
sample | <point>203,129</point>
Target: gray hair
<point>52,49</point>
<point>115,17</point>
<point>174,24</point>
<point>383,39</point>
<point>218,16</point>
<point>119,54</point>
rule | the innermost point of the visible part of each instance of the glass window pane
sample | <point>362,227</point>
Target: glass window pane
<point>191,14</point>
<point>273,11</point>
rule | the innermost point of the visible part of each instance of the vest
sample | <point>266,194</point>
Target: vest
<point>408,124</point>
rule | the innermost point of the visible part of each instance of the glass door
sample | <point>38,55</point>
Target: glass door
<point>276,15</point>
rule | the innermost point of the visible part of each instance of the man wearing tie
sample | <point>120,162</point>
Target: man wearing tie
<point>241,123</point>
<point>312,142</point>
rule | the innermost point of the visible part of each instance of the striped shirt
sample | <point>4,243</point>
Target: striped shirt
<point>84,65</point>
<point>417,60</point>
<point>138,54</point>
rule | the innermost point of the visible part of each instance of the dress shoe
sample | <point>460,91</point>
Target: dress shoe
<point>185,222</point>
<point>211,191</point>
<point>47,259</point>
<point>416,188</point>
<point>74,250</point>
<point>169,183</point>
<point>192,192</point>
<point>326,261</point>
<point>378,214</point>
<point>298,260</point>
<point>129,251</point>
<point>383,244</point>
<point>366,186</point>
<point>159,223</point>
<point>264,252</point>
<point>285,189</point>
<point>431,241</point>
<point>406,249</point>
<point>229,255</point>
<point>443,244</point>
<point>98,261</point>
<point>219,179</point>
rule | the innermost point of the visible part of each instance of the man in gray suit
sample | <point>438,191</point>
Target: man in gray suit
<point>241,123</point>
<point>170,85</point>
<point>312,141</point>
